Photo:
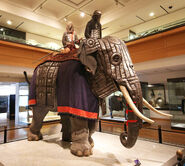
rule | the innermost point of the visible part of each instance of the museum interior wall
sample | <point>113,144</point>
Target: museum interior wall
<point>158,46</point>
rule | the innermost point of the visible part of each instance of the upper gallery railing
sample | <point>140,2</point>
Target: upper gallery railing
<point>149,32</point>
<point>27,42</point>
<point>156,30</point>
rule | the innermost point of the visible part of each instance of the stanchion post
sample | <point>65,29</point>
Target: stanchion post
<point>160,134</point>
<point>99,125</point>
<point>125,127</point>
<point>5,134</point>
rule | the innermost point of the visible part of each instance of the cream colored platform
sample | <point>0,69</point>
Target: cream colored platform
<point>108,151</point>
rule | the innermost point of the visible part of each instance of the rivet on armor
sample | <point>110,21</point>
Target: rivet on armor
<point>90,42</point>
<point>116,59</point>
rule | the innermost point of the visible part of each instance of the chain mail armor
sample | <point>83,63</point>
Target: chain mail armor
<point>69,38</point>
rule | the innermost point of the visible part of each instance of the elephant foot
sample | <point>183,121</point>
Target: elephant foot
<point>34,137</point>
<point>81,149</point>
<point>80,143</point>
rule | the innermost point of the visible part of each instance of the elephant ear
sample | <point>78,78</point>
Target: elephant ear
<point>87,54</point>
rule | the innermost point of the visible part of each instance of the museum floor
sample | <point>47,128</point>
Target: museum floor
<point>108,151</point>
<point>148,132</point>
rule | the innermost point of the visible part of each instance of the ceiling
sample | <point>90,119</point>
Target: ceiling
<point>47,17</point>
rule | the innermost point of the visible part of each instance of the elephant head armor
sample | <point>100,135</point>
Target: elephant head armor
<point>111,69</point>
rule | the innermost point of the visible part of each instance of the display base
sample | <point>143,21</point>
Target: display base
<point>107,151</point>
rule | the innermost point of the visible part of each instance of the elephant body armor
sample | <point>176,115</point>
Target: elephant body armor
<point>46,85</point>
<point>59,84</point>
<point>45,79</point>
<point>109,69</point>
<point>101,85</point>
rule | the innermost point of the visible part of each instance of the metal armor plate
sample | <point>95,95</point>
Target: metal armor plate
<point>102,85</point>
<point>46,85</point>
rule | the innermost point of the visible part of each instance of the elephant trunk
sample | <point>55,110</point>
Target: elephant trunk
<point>129,139</point>
<point>134,115</point>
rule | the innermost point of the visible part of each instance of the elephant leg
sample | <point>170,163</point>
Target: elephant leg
<point>80,137</point>
<point>34,133</point>
<point>66,128</point>
<point>92,125</point>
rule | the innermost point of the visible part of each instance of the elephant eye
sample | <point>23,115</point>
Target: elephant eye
<point>116,59</point>
<point>90,42</point>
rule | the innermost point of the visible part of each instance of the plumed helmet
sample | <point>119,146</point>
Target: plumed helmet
<point>70,27</point>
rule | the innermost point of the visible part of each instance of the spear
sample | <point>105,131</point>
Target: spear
<point>47,55</point>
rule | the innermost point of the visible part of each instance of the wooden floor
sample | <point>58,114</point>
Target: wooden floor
<point>149,132</point>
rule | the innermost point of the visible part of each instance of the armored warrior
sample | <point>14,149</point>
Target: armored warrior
<point>93,27</point>
<point>70,37</point>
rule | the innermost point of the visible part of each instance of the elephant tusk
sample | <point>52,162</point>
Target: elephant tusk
<point>154,110</point>
<point>132,105</point>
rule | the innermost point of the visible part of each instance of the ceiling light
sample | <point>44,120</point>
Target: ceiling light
<point>65,19</point>
<point>82,14</point>
<point>131,37</point>
<point>152,14</point>
<point>1,29</point>
<point>9,22</point>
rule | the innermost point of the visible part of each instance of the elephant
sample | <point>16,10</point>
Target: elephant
<point>106,67</point>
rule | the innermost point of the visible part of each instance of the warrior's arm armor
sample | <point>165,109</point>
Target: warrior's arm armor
<point>76,41</point>
<point>68,40</point>
<point>64,40</point>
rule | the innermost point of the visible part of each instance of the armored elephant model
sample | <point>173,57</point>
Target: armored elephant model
<point>72,83</point>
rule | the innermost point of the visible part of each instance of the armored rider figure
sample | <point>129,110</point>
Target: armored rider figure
<point>93,27</point>
<point>93,30</point>
<point>70,37</point>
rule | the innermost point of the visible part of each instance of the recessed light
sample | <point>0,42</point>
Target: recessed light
<point>9,22</point>
<point>152,14</point>
<point>82,14</point>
